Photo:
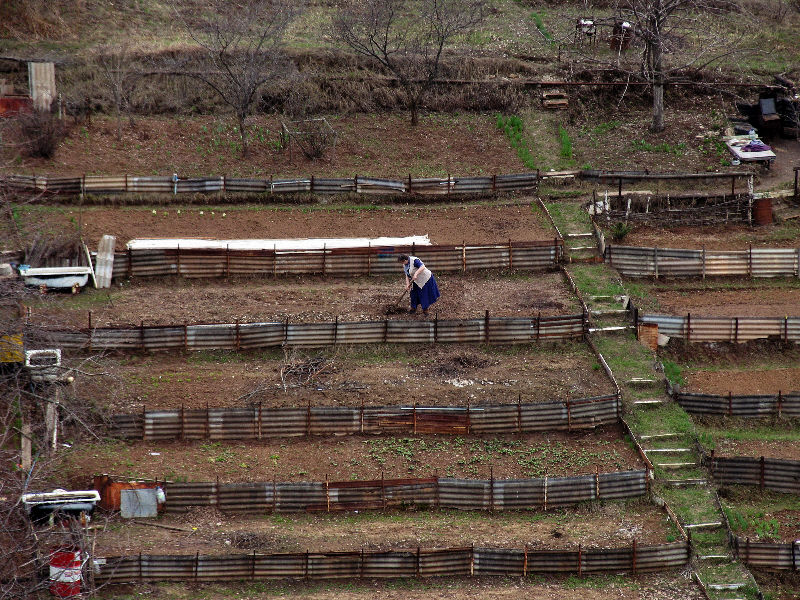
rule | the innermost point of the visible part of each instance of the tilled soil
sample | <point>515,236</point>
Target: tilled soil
<point>429,375</point>
<point>303,299</point>
<point>358,457</point>
<point>731,237</point>
<point>445,225</point>
<point>662,586</point>
<point>211,532</point>
<point>788,450</point>
<point>763,516</point>
<point>767,381</point>
<point>750,302</point>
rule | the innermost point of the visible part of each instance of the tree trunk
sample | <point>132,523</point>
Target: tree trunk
<point>658,104</point>
<point>243,133</point>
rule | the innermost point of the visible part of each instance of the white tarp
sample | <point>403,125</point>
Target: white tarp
<point>282,244</point>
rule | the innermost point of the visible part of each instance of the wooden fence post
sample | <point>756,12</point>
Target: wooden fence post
<point>519,413</point>
<point>655,261</point>
<point>491,489</point>
<point>761,477</point>
<point>227,260</point>
<point>510,256</point>
<point>580,561</point>
<point>750,260</point>
<point>369,259</point>
<point>141,335</point>
<point>417,566</point>
<point>238,336</point>
<point>185,337</point>
<point>688,328</point>
<point>144,423</point>
<point>780,403</point>
<point>704,261</point>
<point>130,261</point>
<point>634,556</point>
<point>486,326</point>
<point>730,404</point>
<point>327,493</point>
<point>178,271</point>
<point>464,257</point>
<point>308,418</point>
<point>525,561</point>
<point>183,423</point>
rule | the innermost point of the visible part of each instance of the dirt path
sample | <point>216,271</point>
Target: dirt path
<point>429,375</point>
<point>615,524</point>
<point>340,459</point>
<point>175,300</point>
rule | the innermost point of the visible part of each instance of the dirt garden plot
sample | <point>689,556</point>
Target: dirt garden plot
<point>745,381</point>
<point>308,299</point>
<point>770,444</point>
<point>429,375</point>
<point>738,237</point>
<point>731,300</point>
<point>762,516</point>
<point>209,532</point>
<point>312,459</point>
<point>473,223</point>
<point>643,587</point>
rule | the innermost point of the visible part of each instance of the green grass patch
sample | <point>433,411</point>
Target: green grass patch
<point>514,129</point>
<point>565,143</point>
<point>643,146</point>
<point>539,22</point>
<point>673,372</point>
<point>666,418</point>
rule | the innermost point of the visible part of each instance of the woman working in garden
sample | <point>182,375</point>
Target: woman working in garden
<point>420,281</point>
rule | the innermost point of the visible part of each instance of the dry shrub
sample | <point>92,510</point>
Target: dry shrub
<point>40,133</point>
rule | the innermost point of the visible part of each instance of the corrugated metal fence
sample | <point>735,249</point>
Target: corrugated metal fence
<point>435,492</point>
<point>342,262</point>
<point>771,473</point>
<point>248,336</point>
<point>766,555</point>
<point>167,184</point>
<point>633,261</point>
<point>782,405</point>
<point>725,329</point>
<point>419,562</point>
<point>257,423</point>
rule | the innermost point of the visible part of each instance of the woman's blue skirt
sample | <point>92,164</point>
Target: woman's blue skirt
<point>425,296</point>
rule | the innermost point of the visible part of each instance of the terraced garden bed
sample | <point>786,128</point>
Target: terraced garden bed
<point>208,531</point>
<point>373,375</point>
<point>304,459</point>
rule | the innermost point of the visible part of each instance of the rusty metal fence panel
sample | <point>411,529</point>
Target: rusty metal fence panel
<point>634,261</point>
<point>260,423</point>
<point>782,405</point>
<point>335,262</point>
<point>775,474</point>
<point>169,184</point>
<point>419,562</point>
<point>771,556</point>
<point>725,329</point>
<point>238,336</point>
<point>445,492</point>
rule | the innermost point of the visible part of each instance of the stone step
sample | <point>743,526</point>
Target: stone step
<point>608,311</point>
<point>684,482</point>
<point>667,450</point>
<point>580,235</point>
<point>677,465</point>
<point>640,381</point>
<point>610,328</point>
<point>725,586</point>
<point>659,436</point>
<point>714,557</point>
<point>710,525</point>
<point>578,248</point>
<point>649,402</point>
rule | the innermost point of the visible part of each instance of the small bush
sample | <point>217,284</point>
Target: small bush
<point>40,133</point>
<point>619,231</point>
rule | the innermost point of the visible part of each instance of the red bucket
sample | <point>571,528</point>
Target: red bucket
<point>65,573</point>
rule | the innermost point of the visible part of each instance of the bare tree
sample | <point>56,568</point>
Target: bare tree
<point>407,37</point>
<point>118,75</point>
<point>676,37</point>
<point>243,43</point>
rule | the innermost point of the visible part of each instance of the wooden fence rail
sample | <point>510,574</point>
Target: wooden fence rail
<point>249,336</point>
<point>414,562</point>
<point>257,422</point>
